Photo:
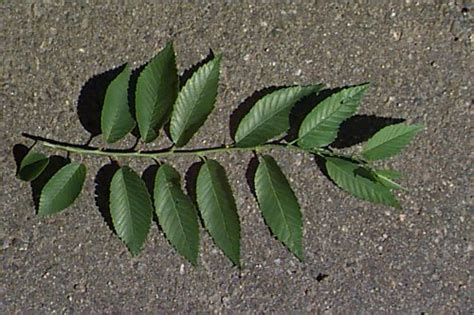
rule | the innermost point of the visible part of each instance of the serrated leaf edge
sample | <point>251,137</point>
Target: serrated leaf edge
<point>298,255</point>
<point>362,182</point>
<point>146,138</point>
<point>413,129</point>
<point>193,259</point>
<point>300,140</point>
<point>240,140</point>
<point>81,168</point>
<point>226,227</point>
<point>215,62</point>
<point>116,115</point>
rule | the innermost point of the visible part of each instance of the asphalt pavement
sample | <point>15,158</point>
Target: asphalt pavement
<point>359,257</point>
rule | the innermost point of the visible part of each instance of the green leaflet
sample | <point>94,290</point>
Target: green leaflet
<point>392,174</point>
<point>157,89</point>
<point>218,210</point>
<point>195,102</point>
<point>32,165</point>
<point>359,182</point>
<point>62,189</point>
<point>131,208</point>
<point>269,117</point>
<point>116,119</point>
<point>389,141</point>
<point>320,126</point>
<point>279,205</point>
<point>386,178</point>
<point>176,213</point>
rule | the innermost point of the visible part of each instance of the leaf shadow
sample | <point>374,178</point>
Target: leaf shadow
<point>250,174</point>
<point>19,153</point>
<point>132,88</point>
<point>354,130</point>
<point>190,179</point>
<point>91,99</point>
<point>148,176</point>
<point>92,95</point>
<point>239,113</point>
<point>56,162</point>
<point>102,183</point>
<point>360,128</point>
<point>188,73</point>
<point>303,108</point>
<point>321,164</point>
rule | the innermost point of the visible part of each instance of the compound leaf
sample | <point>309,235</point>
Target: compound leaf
<point>195,102</point>
<point>62,189</point>
<point>279,205</point>
<point>389,141</point>
<point>359,182</point>
<point>32,165</point>
<point>269,117</point>
<point>176,213</point>
<point>131,208</point>
<point>320,126</point>
<point>116,119</point>
<point>156,92</point>
<point>218,210</point>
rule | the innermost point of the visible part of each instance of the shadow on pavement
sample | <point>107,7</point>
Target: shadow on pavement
<point>102,192</point>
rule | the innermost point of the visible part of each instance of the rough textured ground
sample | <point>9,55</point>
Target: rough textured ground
<point>359,257</point>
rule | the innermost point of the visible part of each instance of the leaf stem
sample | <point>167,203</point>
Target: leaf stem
<point>172,151</point>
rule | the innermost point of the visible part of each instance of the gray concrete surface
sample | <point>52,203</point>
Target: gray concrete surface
<point>360,258</point>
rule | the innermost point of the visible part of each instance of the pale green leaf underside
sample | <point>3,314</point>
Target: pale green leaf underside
<point>269,117</point>
<point>131,208</point>
<point>176,213</point>
<point>62,189</point>
<point>279,205</point>
<point>218,210</point>
<point>32,165</point>
<point>195,102</point>
<point>385,178</point>
<point>321,125</point>
<point>357,181</point>
<point>156,92</point>
<point>389,141</point>
<point>392,174</point>
<point>116,119</point>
